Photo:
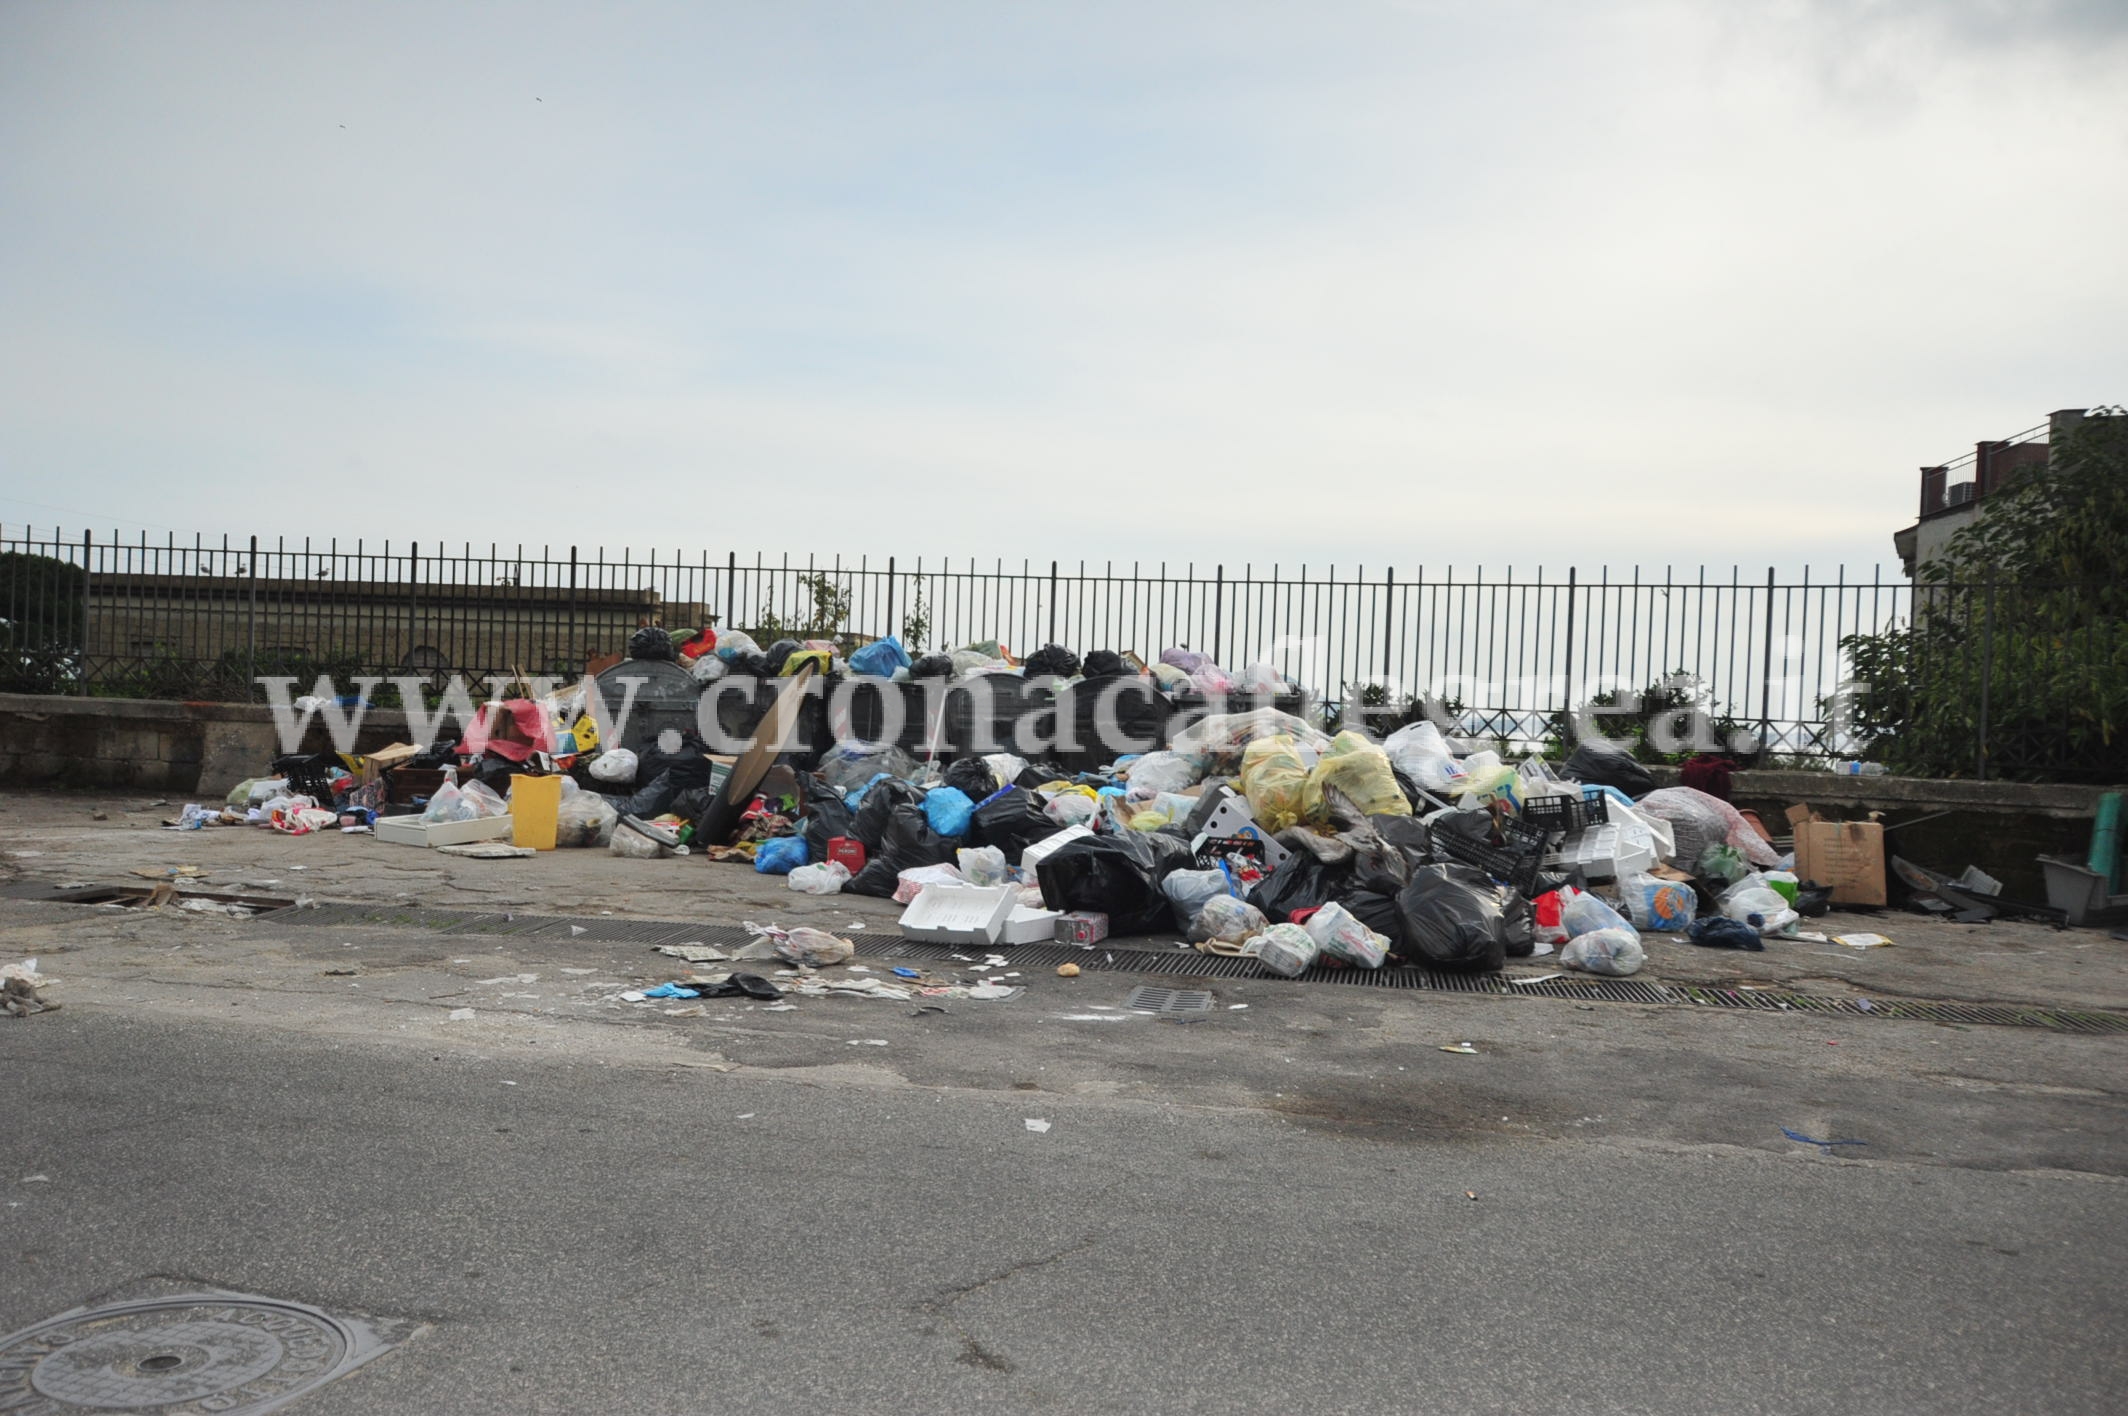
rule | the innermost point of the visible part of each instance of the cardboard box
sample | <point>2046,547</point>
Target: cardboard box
<point>1229,820</point>
<point>958,914</point>
<point>413,831</point>
<point>1846,855</point>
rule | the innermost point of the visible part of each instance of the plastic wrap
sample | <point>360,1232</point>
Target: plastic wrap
<point>1615,952</point>
<point>1284,949</point>
<point>1339,934</point>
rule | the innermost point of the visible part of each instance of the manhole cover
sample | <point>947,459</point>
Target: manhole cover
<point>1148,999</point>
<point>193,1353</point>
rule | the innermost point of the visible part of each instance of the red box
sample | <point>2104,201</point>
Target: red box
<point>848,852</point>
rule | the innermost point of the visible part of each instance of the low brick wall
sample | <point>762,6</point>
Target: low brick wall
<point>152,744</point>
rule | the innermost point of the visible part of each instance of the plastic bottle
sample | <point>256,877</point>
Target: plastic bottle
<point>1860,769</point>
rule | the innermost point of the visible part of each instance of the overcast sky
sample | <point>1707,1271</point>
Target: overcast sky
<point>1385,283</point>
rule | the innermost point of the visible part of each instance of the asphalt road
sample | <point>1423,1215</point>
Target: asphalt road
<point>583,1234</point>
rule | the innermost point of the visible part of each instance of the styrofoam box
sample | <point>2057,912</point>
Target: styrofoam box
<point>959,914</point>
<point>413,831</point>
<point>1041,850</point>
<point>1609,850</point>
<point>1030,926</point>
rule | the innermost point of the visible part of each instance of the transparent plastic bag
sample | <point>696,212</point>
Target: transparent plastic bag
<point>1764,910</point>
<point>1583,913</point>
<point>911,882</point>
<point>827,878</point>
<point>584,819</point>
<point>1073,808</point>
<point>1360,770</point>
<point>1164,772</point>
<point>615,764</point>
<point>1284,949</point>
<point>1224,923</point>
<point>1338,934</point>
<point>486,802</point>
<point>813,948</point>
<point>629,842</point>
<point>1274,777</point>
<point>448,803</point>
<point>1666,906</point>
<point>1421,753</point>
<point>1616,952</point>
<point>1722,862</point>
<point>852,764</point>
<point>1189,891</point>
<point>983,865</point>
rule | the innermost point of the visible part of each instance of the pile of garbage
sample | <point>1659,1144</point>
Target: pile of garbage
<point>1252,833</point>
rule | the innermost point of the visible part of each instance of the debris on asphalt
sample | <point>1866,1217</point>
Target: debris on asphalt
<point>1037,1125</point>
<point>1824,1146</point>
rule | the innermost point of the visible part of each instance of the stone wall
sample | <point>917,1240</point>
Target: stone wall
<point>152,744</point>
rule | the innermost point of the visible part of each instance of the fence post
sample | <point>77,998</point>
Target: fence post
<point>1052,602</point>
<point>251,623</point>
<point>88,574</point>
<point>1388,628</point>
<point>413,602</point>
<point>731,588</point>
<point>1987,675</point>
<point>1766,673</point>
<point>570,652</point>
<point>890,600</point>
<point>1572,579</point>
<point>1219,608</point>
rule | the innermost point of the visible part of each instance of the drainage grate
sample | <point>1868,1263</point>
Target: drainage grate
<point>195,1352</point>
<point>1148,999</point>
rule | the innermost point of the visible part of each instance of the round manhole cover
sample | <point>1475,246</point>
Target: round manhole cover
<point>174,1357</point>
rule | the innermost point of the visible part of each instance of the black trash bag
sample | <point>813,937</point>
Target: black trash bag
<point>1117,875</point>
<point>1037,774</point>
<point>1104,664</point>
<point>1722,932</point>
<point>1520,916</point>
<point>1378,911</point>
<point>1599,766</point>
<point>907,843</point>
<point>689,762</point>
<point>973,776</point>
<point>1408,834</point>
<point>754,666</point>
<point>825,818</point>
<point>650,642</point>
<point>1012,822</point>
<point>1452,920</point>
<point>1812,901</point>
<point>1420,806</point>
<point>693,805</point>
<point>932,666</point>
<point>738,985</point>
<point>1050,659</point>
<point>776,654</point>
<point>1302,881</point>
<point>654,799</point>
<point>873,815</point>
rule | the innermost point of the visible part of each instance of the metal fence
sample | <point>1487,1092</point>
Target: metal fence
<point>90,614</point>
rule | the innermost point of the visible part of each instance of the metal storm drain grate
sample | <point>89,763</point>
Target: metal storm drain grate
<point>192,1353</point>
<point>1148,999</point>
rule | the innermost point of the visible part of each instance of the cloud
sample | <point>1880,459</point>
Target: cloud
<point>1387,285</point>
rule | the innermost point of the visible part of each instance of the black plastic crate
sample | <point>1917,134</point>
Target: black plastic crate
<point>310,774</point>
<point>1566,815</point>
<point>1515,864</point>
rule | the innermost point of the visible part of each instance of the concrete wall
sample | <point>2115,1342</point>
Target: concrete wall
<point>194,748</point>
<point>2002,827</point>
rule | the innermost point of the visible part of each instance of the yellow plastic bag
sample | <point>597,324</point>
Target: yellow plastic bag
<point>1274,778</point>
<point>1360,770</point>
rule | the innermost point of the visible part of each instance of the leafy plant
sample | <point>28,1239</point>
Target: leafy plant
<point>2015,660</point>
<point>916,620</point>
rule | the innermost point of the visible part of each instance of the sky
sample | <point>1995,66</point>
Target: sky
<point>1525,282</point>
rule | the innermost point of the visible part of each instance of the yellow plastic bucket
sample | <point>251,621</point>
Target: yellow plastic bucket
<point>534,804</point>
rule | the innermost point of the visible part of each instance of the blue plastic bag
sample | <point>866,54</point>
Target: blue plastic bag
<point>948,810</point>
<point>880,658</point>
<point>780,855</point>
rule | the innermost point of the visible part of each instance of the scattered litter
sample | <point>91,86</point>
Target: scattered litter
<point>631,995</point>
<point>994,991</point>
<point>1536,978</point>
<point>1067,970</point>
<point>486,850</point>
<point>1036,1125</point>
<point>1099,1017</point>
<point>20,986</point>
<point>1826,1146</point>
<point>781,1008</point>
<point>36,1179</point>
<point>579,971</point>
<point>1236,1007</point>
<point>670,990</point>
<point>1470,1194</point>
<point>868,1042</point>
<point>171,872</point>
<point>461,1015</point>
<point>1862,941</point>
<point>746,1116</point>
<point>694,953</point>
<point>1461,1049</point>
